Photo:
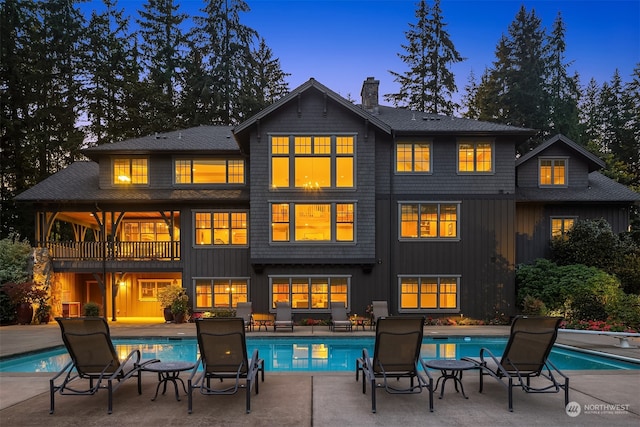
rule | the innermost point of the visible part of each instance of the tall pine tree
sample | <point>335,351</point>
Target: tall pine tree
<point>429,84</point>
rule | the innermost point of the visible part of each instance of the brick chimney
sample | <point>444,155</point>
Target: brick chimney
<point>369,94</point>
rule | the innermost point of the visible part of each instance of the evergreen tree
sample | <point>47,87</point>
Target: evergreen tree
<point>226,46</point>
<point>429,84</point>
<point>268,77</point>
<point>564,93</point>
<point>162,53</point>
<point>196,104</point>
<point>107,87</point>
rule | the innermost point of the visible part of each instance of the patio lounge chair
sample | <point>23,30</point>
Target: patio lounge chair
<point>396,355</point>
<point>339,318</point>
<point>245,310</point>
<point>284,319</point>
<point>380,310</point>
<point>94,361</point>
<point>223,357</point>
<point>525,358</point>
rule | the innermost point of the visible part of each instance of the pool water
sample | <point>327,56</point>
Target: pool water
<point>291,354</point>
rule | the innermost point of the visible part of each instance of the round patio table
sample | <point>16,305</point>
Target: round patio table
<point>450,369</point>
<point>169,372</point>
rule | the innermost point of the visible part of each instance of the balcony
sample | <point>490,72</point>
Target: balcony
<point>113,251</point>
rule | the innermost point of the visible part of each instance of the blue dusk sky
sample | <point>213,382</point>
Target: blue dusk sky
<point>342,42</point>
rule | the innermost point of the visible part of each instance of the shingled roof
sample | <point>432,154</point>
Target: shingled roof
<point>600,189</point>
<point>207,139</point>
<point>594,162</point>
<point>79,182</point>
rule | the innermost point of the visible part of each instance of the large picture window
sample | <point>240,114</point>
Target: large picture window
<point>313,222</point>
<point>308,293</point>
<point>220,228</point>
<point>130,171</point>
<point>475,156</point>
<point>220,292</point>
<point>413,157</point>
<point>553,172</point>
<point>312,162</point>
<point>433,293</point>
<point>209,171</point>
<point>429,220</point>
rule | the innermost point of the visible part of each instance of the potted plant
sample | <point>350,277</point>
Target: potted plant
<point>166,297</point>
<point>43,313</point>
<point>91,309</point>
<point>180,307</point>
<point>22,296</point>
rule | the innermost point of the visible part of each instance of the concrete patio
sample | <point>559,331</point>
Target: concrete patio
<point>317,399</point>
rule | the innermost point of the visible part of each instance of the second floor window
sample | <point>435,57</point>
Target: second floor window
<point>475,156</point>
<point>130,171</point>
<point>302,222</point>
<point>413,157</point>
<point>221,228</point>
<point>312,162</point>
<point>209,171</point>
<point>553,172</point>
<point>429,220</point>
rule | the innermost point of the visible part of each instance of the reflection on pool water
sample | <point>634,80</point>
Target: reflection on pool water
<point>310,354</point>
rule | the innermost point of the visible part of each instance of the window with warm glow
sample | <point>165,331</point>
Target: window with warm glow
<point>220,228</point>
<point>149,288</point>
<point>553,172</point>
<point>209,171</point>
<point>475,157</point>
<point>220,293</point>
<point>429,293</point>
<point>413,157</point>
<point>310,293</point>
<point>429,220</point>
<point>312,162</point>
<point>130,171</point>
<point>561,226</point>
<point>326,222</point>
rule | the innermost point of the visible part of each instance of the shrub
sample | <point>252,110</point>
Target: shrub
<point>533,306</point>
<point>91,309</point>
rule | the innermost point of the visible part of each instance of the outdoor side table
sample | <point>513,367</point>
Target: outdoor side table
<point>450,369</point>
<point>262,319</point>
<point>169,372</point>
<point>359,321</point>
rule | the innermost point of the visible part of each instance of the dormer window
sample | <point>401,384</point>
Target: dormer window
<point>130,171</point>
<point>553,172</point>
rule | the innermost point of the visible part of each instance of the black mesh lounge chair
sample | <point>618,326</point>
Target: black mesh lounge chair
<point>380,310</point>
<point>396,355</point>
<point>94,361</point>
<point>284,319</point>
<point>339,318</point>
<point>525,358</point>
<point>223,356</point>
<point>244,310</point>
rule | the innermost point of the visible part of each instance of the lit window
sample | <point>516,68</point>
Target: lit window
<point>312,162</point>
<point>429,220</point>
<point>413,157</point>
<point>561,226</point>
<point>220,228</point>
<point>221,293</point>
<point>475,157</point>
<point>327,222</point>
<point>149,288</point>
<point>130,171</point>
<point>429,293</point>
<point>553,172</point>
<point>209,171</point>
<point>309,293</point>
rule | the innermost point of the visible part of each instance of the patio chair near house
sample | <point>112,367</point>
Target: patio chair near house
<point>380,310</point>
<point>284,318</point>
<point>94,364</point>
<point>339,317</point>
<point>396,355</point>
<point>223,367</point>
<point>244,310</point>
<point>524,362</point>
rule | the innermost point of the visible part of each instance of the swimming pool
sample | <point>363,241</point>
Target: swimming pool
<point>296,354</point>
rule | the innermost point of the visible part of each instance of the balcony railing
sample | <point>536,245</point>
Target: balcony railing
<point>113,251</point>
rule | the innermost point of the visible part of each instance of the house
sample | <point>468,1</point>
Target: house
<point>313,200</point>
